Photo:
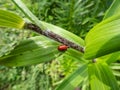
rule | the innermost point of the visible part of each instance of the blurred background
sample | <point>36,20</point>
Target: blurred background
<point>76,16</point>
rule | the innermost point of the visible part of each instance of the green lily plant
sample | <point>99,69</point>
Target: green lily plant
<point>97,54</point>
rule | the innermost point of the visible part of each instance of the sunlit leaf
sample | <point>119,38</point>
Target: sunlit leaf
<point>110,58</point>
<point>115,66</point>
<point>74,80</point>
<point>116,73</point>
<point>103,38</point>
<point>9,19</point>
<point>114,9</point>
<point>28,13</point>
<point>115,69</point>
<point>32,51</point>
<point>101,77</point>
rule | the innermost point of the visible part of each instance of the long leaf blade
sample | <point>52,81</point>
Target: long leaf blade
<point>32,51</point>
<point>9,19</point>
<point>74,80</point>
<point>103,38</point>
<point>101,77</point>
<point>110,58</point>
<point>114,9</point>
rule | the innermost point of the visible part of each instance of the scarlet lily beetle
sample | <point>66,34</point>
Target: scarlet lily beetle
<point>62,48</point>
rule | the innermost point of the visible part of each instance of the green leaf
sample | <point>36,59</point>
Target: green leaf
<point>115,69</point>
<point>114,9</point>
<point>74,80</point>
<point>116,73</point>
<point>32,51</point>
<point>28,13</point>
<point>9,19</point>
<point>115,66</point>
<point>75,55</point>
<point>47,26</point>
<point>103,38</point>
<point>110,58</point>
<point>101,77</point>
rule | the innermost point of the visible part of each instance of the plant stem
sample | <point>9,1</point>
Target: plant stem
<point>54,36</point>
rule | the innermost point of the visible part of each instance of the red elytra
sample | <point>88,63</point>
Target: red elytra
<point>62,48</point>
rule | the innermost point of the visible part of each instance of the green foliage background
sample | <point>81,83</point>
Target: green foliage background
<point>77,16</point>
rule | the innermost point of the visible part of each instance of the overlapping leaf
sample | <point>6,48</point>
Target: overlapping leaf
<point>9,19</point>
<point>75,80</point>
<point>110,58</point>
<point>28,51</point>
<point>32,51</point>
<point>103,38</point>
<point>116,70</point>
<point>101,77</point>
<point>114,9</point>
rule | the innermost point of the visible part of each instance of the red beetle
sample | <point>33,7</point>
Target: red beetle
<point>62,48</point>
